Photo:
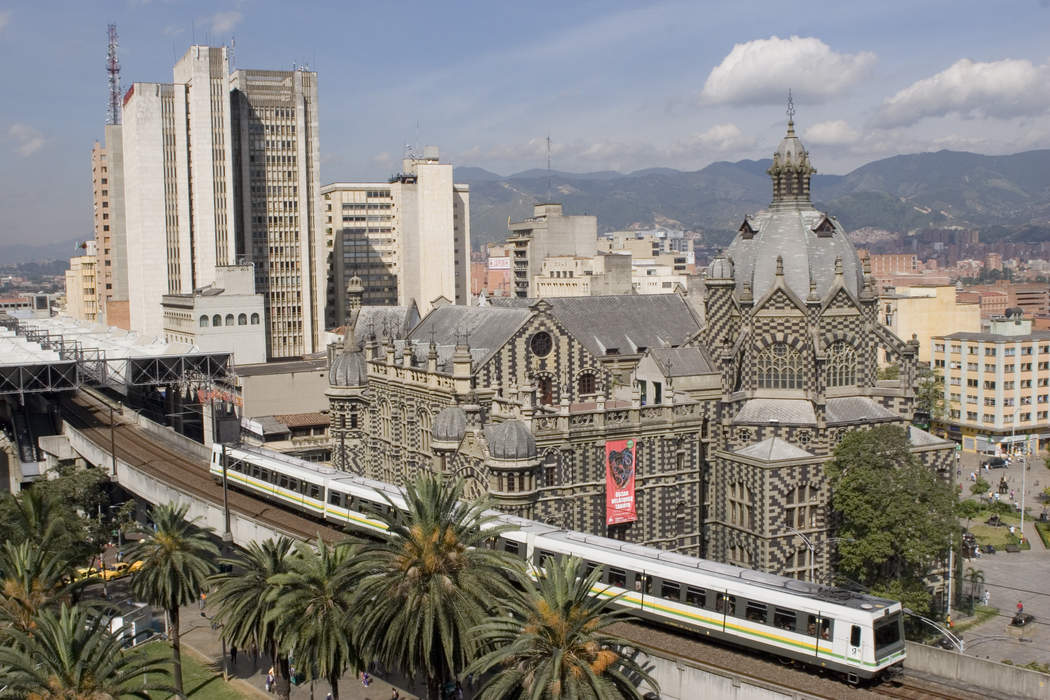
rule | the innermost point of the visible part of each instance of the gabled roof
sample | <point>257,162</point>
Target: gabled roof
<point>624,323</point>
<point>786,411</point>
<point>485,328</point>
<point>682,362</point>
<point>856,409</point>
<point>920,438</point>
<point>772,450</point>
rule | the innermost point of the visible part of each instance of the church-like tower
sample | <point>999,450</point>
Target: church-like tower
<point>792,322</point>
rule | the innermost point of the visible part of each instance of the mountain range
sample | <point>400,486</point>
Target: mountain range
<point>1005,197</point>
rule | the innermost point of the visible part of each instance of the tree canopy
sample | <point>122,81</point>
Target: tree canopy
<point>895,516</point>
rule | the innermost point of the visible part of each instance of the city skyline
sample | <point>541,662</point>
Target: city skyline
<point>616,87</point>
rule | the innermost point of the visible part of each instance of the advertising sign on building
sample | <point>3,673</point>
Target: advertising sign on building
<point>619,482</point>
<point>499,263</point>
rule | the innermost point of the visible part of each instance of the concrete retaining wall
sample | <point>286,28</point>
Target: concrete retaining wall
<point>991,675</point>
<point>686,680</point>
<point>168,436</point>
<point>146,487</point>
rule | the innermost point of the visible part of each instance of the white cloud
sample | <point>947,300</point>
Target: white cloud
<point>172,30</point>
<point>1006,88</point>
<point>224,22</point>
<point>831,133</point>
<point>762,71</point>
<point>5,19</point>
<point>27,139</point>
<point>723,137</point>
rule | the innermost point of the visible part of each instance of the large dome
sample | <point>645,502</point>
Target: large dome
<point>812,245</point>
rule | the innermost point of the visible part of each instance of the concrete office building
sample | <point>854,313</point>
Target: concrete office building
<point>82,285</point>
<point>569,276</point>
<point>407,240</point>
<point>107,187</point>
<point>276,152</point>
<point>548,232</point>
<point>996,383</point>
<point>178,186</point>
<point>225,316</point>
<point>926,312</point>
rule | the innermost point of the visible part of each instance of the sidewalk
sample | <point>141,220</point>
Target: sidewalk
<point>248,676</point>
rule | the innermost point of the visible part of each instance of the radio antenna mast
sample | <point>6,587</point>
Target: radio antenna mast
<point>548,167</point>
<point>113,69</point>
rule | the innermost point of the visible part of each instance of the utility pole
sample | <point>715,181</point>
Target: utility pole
<point>1024,474</point>
<point>227,539</point>
<point>112,443</point>
<point>951,566</point>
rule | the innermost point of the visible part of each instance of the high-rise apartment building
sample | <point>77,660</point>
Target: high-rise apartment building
<point>408,240</point>
<point>178,188</point>
<point>107,186</point>
<point>277,185</point>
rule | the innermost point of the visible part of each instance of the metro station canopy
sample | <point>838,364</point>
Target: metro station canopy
<point>62,354</point>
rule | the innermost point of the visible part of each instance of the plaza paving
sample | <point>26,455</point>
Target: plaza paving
<point>1010,577</point>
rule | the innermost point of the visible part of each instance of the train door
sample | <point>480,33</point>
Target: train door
<point>853,649</point>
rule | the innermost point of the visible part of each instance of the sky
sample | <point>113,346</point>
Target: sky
<point>615,85</point>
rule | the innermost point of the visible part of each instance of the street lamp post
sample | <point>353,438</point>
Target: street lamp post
<point>956,641</point>
<point>112,443</point>
<point>1024,474</point>
<point>812,554</point>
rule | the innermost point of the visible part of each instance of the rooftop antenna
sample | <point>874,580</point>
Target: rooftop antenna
<point>548,167</point>
<point>113,69</point>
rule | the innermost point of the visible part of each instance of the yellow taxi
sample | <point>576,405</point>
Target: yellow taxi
<point>121,569</point>
<point>84,573</point>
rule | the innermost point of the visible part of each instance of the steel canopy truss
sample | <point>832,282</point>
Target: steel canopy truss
<point>79,366</point>
<point>39,377</point>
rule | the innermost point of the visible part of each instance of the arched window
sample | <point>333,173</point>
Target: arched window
<point>229,319</point>
<point>738,555</point>
<point>546,390</point>
<point>216,320</point>
<point>802,506</point>
<point>242,319</point>
<point>741,506</point>
<point>384,426</point>
<point>779,366</point>
<point>204,321</point>
<point>424,430</point>
<point>585,384</point>
<point>842,364</point>
<point>255,319</point>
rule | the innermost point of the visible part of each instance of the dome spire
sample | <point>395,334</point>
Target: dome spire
<point>791,114</point>
<point>791,169</point>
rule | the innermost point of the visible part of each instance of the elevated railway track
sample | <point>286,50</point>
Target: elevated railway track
<point>188,474</point>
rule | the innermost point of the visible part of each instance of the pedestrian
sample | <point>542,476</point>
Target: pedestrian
<point>365,678</point>
<point>987,596</point>
<point>203,596</point>
<point>269,680</point>
<point>1020,607</point>
<point>328,696</point>
<point>233,654</point>
<point>395,695</point>
<point>948,622</point>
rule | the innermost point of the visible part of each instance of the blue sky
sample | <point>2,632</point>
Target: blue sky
<point>617,85</point>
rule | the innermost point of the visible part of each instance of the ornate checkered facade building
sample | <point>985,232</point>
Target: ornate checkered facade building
<point>735,397</point>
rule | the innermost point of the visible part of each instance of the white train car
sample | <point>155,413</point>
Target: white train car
<point>857,635</point>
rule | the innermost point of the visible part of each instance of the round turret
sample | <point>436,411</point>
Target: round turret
<point>510,440</point>
<point>450,424</point>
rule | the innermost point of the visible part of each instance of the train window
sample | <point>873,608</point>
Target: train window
<point>887,633</point>
<point>591,566</point>
<point>695,596</point>
<point>315,491</point>
<point>784,619</point>
<point>543,555</point>
<point>671,591</point>
<point>640,581</point>
<point>854,636</point>
<point>825,629</point>
<point>335,498</point>
<point>617,577</point>
<point>648,586</point>
<point>268,476</point>
<point>756,612</point>
<point>511,547</point>
<point>282,481</point>
<point>726,604</point>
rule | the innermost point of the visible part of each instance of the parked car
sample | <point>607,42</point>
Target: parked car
<point>996,463</point>
<point>121,569</point>
<point>84,573</point>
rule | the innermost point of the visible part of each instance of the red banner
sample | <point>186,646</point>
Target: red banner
<point>619,482</point>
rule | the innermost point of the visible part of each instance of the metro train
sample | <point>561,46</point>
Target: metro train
<point>859,636</point>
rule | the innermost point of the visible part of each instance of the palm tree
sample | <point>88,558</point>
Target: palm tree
<point>31,580</point>
<point>242,595</point>
<point>312,611</point>
<point>177,560</point>
<point>71,654</point>
<point>554,644</point>
<point>430,581</point>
